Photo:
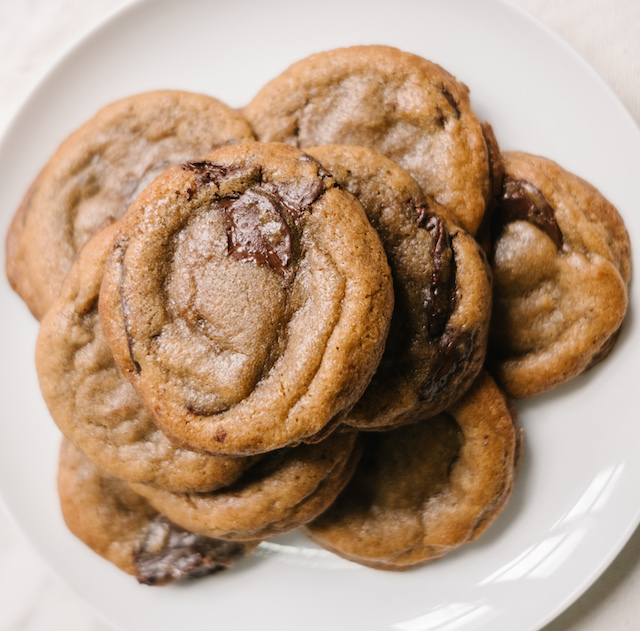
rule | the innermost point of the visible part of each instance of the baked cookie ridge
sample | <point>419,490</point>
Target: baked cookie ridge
<point>247,299</point>
<point>399,104</point>
<point>122,527</point>
<point>98,171</point>
<point>95,406</point>
<point>285,490</point>
<point>424,489</point>
<point>438,334</point>
<point>561,262</point>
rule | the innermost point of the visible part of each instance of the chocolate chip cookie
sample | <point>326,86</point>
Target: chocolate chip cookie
<point>403,106</point>
<point>561,263</point>
<point>98,171</point>
<point>95,406</point>
<point>106,515</point>
<point>247,299</point>
<point>283,491</point>
<point>422,490</point>
<point>438,335</point>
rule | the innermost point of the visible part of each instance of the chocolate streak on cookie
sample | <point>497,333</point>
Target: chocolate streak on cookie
<point>208,172</point>
<point>258,231</point>
<point>256,216</point>
<point>170,553</point>
<point>496,164</point>
<point>454,351</point>
<point>441,296</point>
<point>297,197</point>
<point>484,232</point>
<point>322,172</point>
<point>453,348</point>
<point>300,197</point>
<point>522,201</point>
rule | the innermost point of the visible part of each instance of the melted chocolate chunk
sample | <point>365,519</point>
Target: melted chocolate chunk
<point>322,172</point>
<point>454,349</point>
<point>303,195</point>
<point>208,172</point>
<point>257,230</point>
<point>170,553</point>
<point>440,297</point>
<point>259,221</point>
<point>259,215</point>
<point>522,201</point>
<point>296,198</point>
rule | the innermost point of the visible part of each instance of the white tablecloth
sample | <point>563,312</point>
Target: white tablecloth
<point>34,33</point>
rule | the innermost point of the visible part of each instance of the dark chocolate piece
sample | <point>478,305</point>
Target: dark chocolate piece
<point>170,553</point>
<point>296,198</point>
<point>202,411</point>
<point>259,213</point>
<point>453,350</point>
<point>522,201</point>
<point>208,172</point>
<point>301,196</point>
<point>440,297</point>
<point>257,230</point>
<point>322,172</point>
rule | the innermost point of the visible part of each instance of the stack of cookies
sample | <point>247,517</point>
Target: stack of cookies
<point>299,318</point>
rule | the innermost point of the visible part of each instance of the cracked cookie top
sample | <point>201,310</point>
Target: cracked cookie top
<point>95,407</point>
<point>401,105</point>
<point>438,335</point>
<point>121,526</point>
<point>98,171</point>
<point>422,490</point>
<point>286,489</point>
<point>247,299</point>
<point>561,264</point>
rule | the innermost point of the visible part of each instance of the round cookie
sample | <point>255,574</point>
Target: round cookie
<point>283,491</point>
<point>98,171</point>
<point>561,264</point>
<point>247,299</point>
<point>95,406</point>
<point>423,490</point>
<point>438,334</point>
<point>403,106</point>
<point>119,525</point>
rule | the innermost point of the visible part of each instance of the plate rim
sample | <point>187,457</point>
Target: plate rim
<point>131,6</point>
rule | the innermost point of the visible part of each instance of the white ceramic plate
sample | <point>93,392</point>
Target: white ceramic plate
<point>578,493</point>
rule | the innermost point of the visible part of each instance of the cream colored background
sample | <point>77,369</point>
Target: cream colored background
<point>35,33</point>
